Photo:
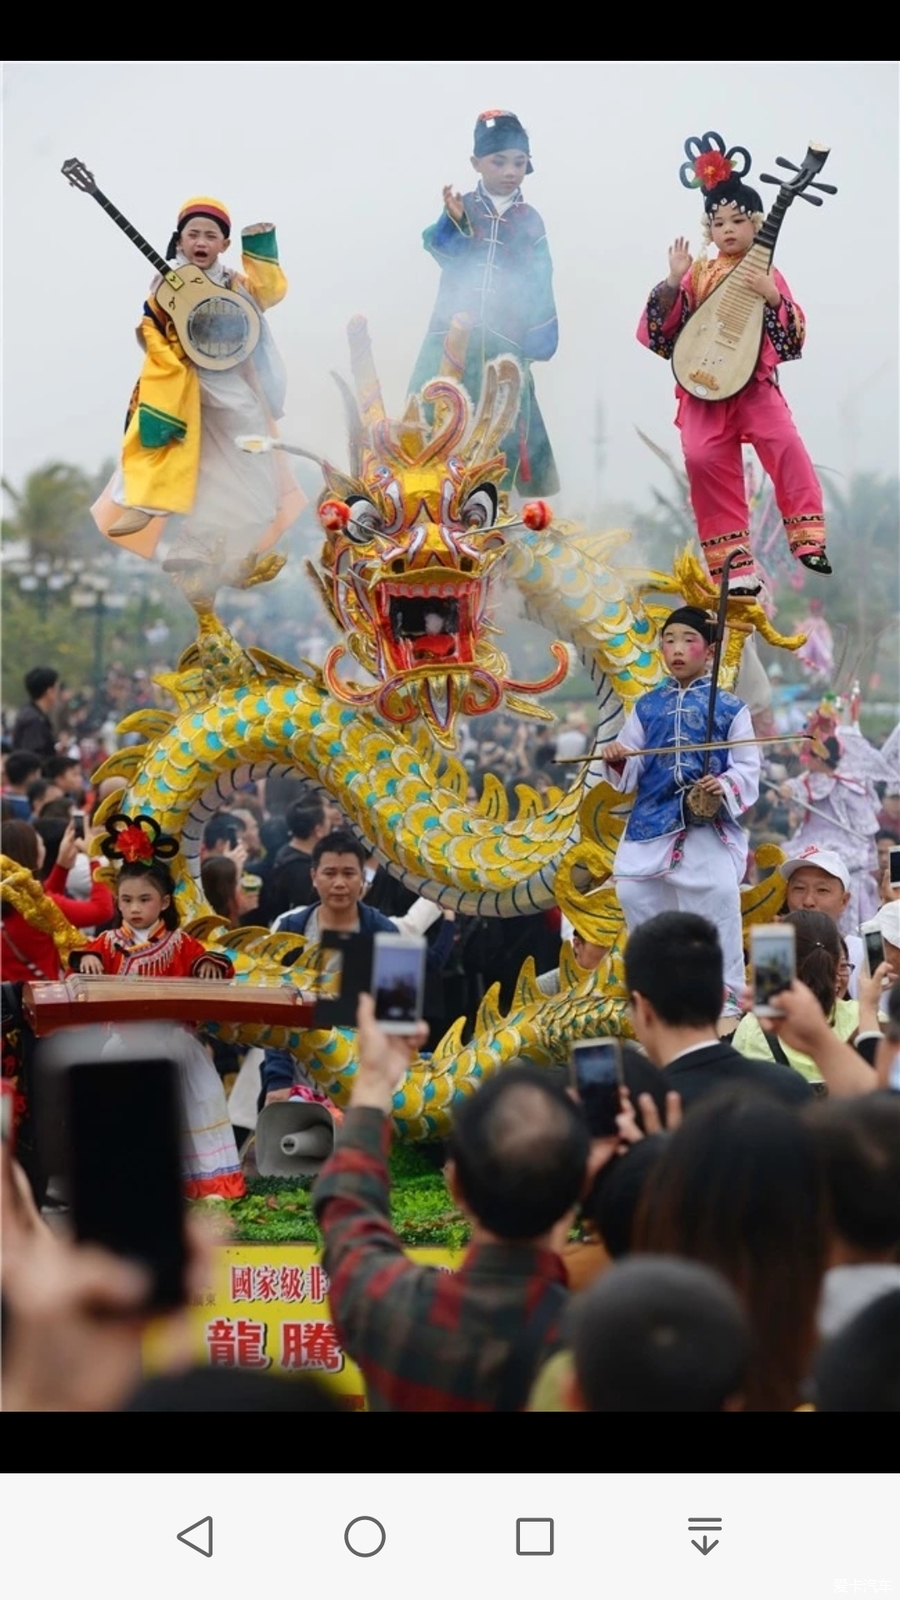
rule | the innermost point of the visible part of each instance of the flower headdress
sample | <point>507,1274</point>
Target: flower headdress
<point>718,172</point>
<point>137,839</point>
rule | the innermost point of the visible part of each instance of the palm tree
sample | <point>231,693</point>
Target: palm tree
<point>51,510</point>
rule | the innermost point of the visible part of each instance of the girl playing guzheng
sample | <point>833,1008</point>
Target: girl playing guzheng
<point>147,942</point>
<point>712,432</point>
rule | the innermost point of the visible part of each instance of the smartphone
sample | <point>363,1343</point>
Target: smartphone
<point>124,1165</point>
<point>874,944</point>
<point>78,824</point>
<point>773,958</point>
<point>894,866</point>
<point>398,981</point>
<point>7,1109</point>
<point>596,1069</point>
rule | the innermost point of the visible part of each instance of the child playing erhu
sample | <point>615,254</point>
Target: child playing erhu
<point>147,942</point>
<point>179,456</point>
<point>712,432</point>
<point>668,859</point>
<point>495,266</point>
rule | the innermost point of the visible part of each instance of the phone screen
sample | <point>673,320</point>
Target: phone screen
<point>597,1072</point>
<point>398,981</point>
<point>773,956</point>
<point>894,866</point>
<point>78,824</point>
<point>125,1166</point>
<point>874,950</point>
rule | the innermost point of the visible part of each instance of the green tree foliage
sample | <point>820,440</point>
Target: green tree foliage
<point>51,511</point>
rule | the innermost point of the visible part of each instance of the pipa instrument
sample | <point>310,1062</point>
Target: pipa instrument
<point>717,351</point>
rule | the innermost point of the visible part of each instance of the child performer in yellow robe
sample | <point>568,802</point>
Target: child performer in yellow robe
<point>179,457</point>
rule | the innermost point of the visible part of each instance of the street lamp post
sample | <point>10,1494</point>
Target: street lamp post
<point>44,580</point>
<point>94,595</point>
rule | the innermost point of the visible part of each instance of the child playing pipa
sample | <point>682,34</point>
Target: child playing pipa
<point>712,432</point>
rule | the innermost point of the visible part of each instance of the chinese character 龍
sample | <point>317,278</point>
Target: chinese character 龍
<point>236,1344</point>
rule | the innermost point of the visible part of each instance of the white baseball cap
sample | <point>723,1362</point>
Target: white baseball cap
<point>888,922</point>
<point>813,857</point>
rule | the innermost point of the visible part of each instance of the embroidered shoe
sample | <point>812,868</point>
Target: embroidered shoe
<point>744,584</point>
<point>817,562</point>
<point>129,522</point>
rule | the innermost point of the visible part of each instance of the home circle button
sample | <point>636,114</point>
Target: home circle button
<point>364,1536</point>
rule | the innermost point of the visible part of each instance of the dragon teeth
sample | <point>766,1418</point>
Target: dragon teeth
<point>427,591</point>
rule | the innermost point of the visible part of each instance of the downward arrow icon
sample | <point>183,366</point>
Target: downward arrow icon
<point>705,1547</point>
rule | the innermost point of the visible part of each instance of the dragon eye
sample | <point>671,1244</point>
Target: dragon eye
<point>480,510</point>
<point>365,519</point>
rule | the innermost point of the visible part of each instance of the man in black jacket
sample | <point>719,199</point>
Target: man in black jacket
<point>290,880</point>
<point>33,729</point>
<point>674,977</point>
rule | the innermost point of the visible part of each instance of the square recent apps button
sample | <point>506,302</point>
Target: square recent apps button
<point>534,1536</point>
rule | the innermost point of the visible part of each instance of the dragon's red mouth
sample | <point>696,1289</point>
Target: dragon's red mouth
<point>427,623</point>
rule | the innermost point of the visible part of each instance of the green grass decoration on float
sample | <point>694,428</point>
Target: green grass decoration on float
<point>279,1210</point>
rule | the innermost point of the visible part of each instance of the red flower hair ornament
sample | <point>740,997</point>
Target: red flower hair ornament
<point>719,173</point>
<point>711,169</point>
<point>137,839</point>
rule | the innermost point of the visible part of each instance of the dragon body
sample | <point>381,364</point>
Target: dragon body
<point>418,537</point>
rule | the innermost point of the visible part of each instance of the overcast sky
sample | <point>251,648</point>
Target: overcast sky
<point>349,159</point>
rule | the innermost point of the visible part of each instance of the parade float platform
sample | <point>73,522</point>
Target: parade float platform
<point>267,1310</point>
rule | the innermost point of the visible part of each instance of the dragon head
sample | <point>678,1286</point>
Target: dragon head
<point>414,538</point>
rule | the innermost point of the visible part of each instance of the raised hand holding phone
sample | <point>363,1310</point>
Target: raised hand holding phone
<point>384,1058</point>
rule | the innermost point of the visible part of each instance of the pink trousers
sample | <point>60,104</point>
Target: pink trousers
<point>711,438</point>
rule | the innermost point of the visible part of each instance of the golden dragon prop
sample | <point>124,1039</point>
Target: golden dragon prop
<point>420,530</point>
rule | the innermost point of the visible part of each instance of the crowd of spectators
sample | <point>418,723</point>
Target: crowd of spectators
<point>734,1246</point>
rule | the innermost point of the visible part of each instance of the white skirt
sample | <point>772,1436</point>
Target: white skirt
<point>209,1156</point>
<point>238,492</point>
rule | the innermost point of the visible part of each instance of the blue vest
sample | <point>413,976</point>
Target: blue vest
<point>673,716</point>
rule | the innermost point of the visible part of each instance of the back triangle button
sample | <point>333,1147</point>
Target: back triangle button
<point>202,1540</point>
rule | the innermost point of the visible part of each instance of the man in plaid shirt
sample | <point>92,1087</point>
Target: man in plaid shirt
<point>426,1339</point>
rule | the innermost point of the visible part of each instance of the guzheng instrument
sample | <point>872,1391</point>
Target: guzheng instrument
<point>218,328</point>
<point>717,350</point>
<point>78,1001</point>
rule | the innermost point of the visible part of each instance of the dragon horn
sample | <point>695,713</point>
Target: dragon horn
<point>365,378</point>
<point>456,344</point>
<point>497,409</point>
<point>411,431</point>
<point>356,437</point>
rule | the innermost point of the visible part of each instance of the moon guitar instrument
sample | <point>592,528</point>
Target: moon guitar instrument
<point>717,351</point>
<point>218,328</point>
